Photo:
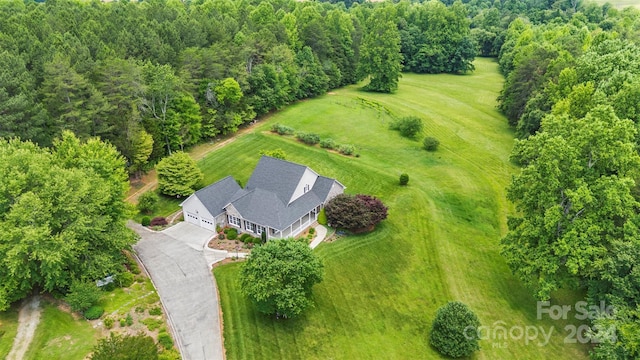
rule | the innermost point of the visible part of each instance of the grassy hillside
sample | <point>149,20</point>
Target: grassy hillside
<point>620,4</point>
<point>440,242</point>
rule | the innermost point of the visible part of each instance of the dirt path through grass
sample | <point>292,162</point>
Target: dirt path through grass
<point>150,181</point>
<point>28,319</point>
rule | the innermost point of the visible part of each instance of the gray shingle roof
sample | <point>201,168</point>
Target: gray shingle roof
<point>278,176</point>
<point>265,199</point>
<point>217,195</point>
<point>322,187</point>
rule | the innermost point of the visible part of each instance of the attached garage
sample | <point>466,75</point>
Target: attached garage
<point>196,213</point>
<point>208,224</point>
<point>191,218</point>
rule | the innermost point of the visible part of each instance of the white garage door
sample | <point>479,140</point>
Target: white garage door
<point>192,218</point>
<point>208,224</point>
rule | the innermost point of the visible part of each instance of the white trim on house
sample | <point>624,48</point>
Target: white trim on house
<point>305,184</point>
<point>196,213</point>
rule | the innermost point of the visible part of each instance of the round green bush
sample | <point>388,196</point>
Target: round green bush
<point>246,238</point>
<point>346,149</point>
<point>146,221</point>
<point>404,179</point>
<point>93,312</point>
<point>125,279</point>
<point>409,126</point>
<point>455,330</point>
<point>165,340</point>
<point>155,311</point>
<point>327,143</point>
<point>147,202</point>
<point>232,234</point>
<point>108,322</point>
<point>430,143</point>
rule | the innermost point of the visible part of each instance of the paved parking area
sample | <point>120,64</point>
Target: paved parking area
<point>194,236</point>
<point>187,290</point>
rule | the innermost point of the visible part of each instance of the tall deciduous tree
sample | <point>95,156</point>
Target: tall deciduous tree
<point>62,215</point>
<point>575,207</point>
<point>380,51</point>
<point>162,88</point>
<point>178,175</point>
<point>279,275</point>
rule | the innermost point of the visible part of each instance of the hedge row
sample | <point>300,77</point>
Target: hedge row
<point>313,139</point>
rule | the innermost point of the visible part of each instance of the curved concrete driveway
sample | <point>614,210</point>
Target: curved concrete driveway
<point>187,290</point>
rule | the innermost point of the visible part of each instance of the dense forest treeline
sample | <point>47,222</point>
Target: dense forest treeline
<point>156,76</point>
<point>572,92</point>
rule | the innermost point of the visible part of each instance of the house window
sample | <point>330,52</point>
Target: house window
<point>250,227</point>
<point>307,188</point>
<point>260,230</point>
<point>233,220</point>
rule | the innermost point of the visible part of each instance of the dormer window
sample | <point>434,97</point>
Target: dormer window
<point>307,188</point>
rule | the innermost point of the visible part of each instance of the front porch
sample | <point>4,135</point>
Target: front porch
<point>292,230</point>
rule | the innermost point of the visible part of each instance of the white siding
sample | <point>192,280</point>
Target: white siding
<point>231,210</point>
<point>195,213</point>
<point>336,189</point>
<point>306,183</point>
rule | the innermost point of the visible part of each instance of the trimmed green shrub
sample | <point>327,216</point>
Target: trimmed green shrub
<point>232,234</point>
<point>151,323</point>
<point>93,312</point>
<point>125,279</point>
<point>404,179</point>
<point>139,347</point>
<point>123,322</point>
<point>108,322</point>
<point>322,217</point>
<point>169,354</point>
<point>276,153</point>
<point>263,237</point>
<point>147,202</point>
<point>146,221</point>
<point>346,149</point>
<point>312,231</point>
<point>256,240</point>
<point>408,126</point>
<point>165,340</point>
<point>82,295</point>
<point>328,143</point>
<point>129,320</point>
<point>246,238</point>
<point>308,138</point>
<point>455,330</point>
<point>282,129</point>
<point>430,143</point>
<point>155,311</point>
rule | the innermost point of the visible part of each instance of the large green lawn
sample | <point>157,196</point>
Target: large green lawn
<point>620,4</point>
<point>440,242</point>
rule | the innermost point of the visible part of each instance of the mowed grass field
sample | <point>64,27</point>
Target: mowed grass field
<point>620,4</point>
<point>439,243</point>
